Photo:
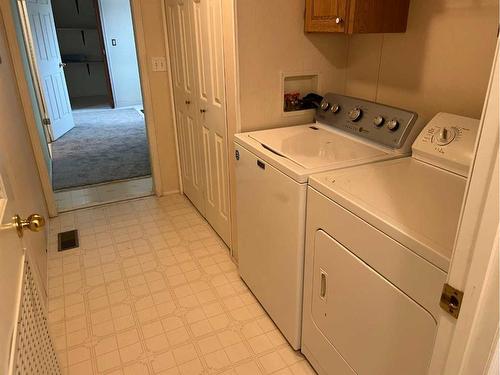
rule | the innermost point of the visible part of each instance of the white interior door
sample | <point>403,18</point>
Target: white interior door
<point>211,101</point>
<point>473,255</point>
<point>50,68</point>
<point>11,261</point>
<point>183,77</point>
<point>20,193</point>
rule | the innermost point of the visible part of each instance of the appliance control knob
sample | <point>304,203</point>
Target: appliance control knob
<point>325,105</point>
<point>378,121</point>
<point>446,136</point>
<point>393,125</point>
<point>355,114</point>
<point>335,108</point>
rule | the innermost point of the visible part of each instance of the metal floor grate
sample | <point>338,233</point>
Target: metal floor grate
<point>67,240</point>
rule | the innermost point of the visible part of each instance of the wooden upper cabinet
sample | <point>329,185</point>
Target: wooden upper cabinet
<point>356,16</point>
<point>326,15</point>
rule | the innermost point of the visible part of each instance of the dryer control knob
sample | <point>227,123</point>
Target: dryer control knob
<point>446,136</point>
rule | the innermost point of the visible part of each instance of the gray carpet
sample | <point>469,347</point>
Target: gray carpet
<point>103,146</point>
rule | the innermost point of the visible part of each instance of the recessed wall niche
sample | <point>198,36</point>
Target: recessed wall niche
<point>294,86</point>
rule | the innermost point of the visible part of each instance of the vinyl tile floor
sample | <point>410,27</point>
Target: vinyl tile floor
<point>153,290</point>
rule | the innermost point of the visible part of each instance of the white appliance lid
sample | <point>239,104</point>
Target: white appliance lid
<point>312,146</point>
<point>411,201</point>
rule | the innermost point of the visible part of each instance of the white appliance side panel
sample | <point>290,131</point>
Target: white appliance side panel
<point>271,231</point>
<point>375,327</point>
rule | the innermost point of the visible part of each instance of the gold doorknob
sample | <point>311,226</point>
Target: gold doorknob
<point>34,223</point>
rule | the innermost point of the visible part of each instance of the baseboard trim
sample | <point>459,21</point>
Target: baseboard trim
<point>172,192</point>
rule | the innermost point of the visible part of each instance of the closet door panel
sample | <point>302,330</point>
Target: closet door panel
<point>209,56</point>
<point>183,76</point>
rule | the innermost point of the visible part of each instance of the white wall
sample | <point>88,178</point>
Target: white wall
<point>271,40</point>
<point>442,63</point>
<point>117,24</point>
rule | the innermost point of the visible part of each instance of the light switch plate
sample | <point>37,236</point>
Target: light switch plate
<point>159,64</point>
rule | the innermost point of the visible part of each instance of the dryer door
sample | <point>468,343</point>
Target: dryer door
<point>377,329</point>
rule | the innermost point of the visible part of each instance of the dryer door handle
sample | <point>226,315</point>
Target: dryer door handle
<point>323,284</point>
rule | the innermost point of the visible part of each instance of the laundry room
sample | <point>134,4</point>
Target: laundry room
<point>311,188</point>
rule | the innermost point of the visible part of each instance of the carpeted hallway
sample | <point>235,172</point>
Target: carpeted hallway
<point>104,145</point>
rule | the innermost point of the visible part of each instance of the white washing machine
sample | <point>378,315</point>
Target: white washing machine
<point>378,247</point>
<point>272,170</point>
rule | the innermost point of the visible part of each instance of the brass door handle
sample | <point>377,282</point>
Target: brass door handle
<point>34,223</point>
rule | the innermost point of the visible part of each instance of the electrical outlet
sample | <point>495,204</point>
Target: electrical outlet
<point>159,64</point>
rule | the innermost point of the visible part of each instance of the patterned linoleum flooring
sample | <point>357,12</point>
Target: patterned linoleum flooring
<point>153,290</point>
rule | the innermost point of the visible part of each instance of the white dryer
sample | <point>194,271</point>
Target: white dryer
<point>272,171</point>
<point>378,248</point>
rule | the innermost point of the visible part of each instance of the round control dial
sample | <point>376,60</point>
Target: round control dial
<point>393,125</point>
<point>378,121</point>
<point>324,105</point>
<point>355,114</point>
<point>445,136</point>
<point>335,108</point>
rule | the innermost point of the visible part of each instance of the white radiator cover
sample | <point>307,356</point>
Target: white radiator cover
<point>33,350</point>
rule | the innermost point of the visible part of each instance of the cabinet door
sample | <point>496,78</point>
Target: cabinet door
<point>326,16</point>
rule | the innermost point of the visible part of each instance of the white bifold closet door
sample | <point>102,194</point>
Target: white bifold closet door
<point>196,47</point>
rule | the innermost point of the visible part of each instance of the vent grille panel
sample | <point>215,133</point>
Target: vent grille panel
<point>35,353</point>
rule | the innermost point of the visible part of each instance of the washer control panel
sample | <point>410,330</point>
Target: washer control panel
<point>448,142</point>
<point>388,126</point>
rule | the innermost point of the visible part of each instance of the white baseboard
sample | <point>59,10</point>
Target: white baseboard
<point>172,192</point>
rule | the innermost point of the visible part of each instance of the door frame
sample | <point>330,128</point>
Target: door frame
<point>233,119</point>
<point>233,113</point>
<point>147,95</point>
<point>474,266</point>
<point>34,69</point>
<point>22,81</point>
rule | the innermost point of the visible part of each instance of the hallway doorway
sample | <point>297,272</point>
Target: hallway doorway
<point>84,60</point>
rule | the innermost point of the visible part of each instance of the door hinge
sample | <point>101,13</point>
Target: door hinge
<point>46,123</point>
<point>451,300</point>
